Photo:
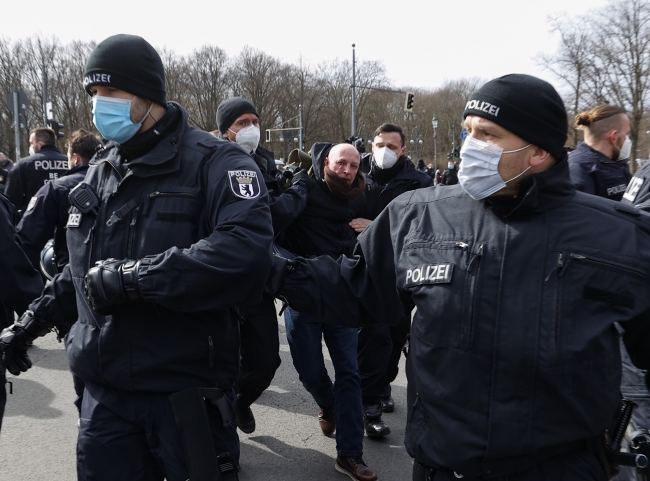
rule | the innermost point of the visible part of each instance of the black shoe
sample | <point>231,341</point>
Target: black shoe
<point>375,427</point>
<point>245,418</point>
<point>387,403</point>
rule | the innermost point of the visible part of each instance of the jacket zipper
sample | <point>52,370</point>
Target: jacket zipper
<point>559,267</point>
<point>132,229</point>
<point>594,261</point>
<point>479,254</point>
<point>211,353</point>
<point>153,195</point>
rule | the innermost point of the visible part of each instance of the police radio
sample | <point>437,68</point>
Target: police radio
<point>83,197</point>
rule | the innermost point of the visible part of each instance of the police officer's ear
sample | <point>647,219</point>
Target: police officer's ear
<point>540,159</point>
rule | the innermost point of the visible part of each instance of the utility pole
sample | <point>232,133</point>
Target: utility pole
<point>354,94</point>
<point>44,75</point>
<point>301,144</point>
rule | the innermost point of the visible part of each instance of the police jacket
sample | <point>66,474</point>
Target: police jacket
<point>19,282</point>
<point>513,347</point>
<point>194,210</point>
<point>323,227</point>
<point>5,167</point>
<point>285,205</point>
<point>47,215</point>
<point>31,173</point>
<point>638,190</point>
<point>595,173</point>
<point>383,185</point>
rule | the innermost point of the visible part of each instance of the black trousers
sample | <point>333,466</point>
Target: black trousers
<point>260,350</point>
<point>576,466</point>
<point>378,352</point>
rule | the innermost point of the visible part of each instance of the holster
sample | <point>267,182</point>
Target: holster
<point>193,427</point>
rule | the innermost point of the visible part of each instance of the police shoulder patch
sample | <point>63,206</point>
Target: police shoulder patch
<point>244,183</point>
<point>429,274</point>
<point>32,203</point>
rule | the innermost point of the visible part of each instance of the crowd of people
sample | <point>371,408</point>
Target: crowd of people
<point>514,282</point>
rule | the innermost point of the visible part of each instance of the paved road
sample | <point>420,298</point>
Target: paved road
<point>39,429</point>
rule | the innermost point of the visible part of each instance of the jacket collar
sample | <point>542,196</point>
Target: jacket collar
<point>538,193</point>
<point>164,158</point>
<point>598,156</point>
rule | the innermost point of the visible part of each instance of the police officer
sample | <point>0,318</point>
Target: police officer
<point>518,279</point>
<point>599,165</point>
<point>392,173</point>
<point>638,190</point>
<point>44,164</point>
<point>238,121</point>
<point>5,167</point>
<point>47,213</point>
<point>169,230</point>
<point>19,285</point>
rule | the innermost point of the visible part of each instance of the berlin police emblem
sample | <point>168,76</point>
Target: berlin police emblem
<point>244,183</point>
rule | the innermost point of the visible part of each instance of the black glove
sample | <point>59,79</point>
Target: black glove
<point>15,339</point>
<point>112,282</point>
<point>302,178</point>
<point>276,277</point>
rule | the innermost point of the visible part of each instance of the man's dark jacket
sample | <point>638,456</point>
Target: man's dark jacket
<point>31,173</point>
<point>384,185</point>
<point>47,216</point>
<point>285,205</point>
<point>323,227</point>
<point>195,210</point>
<point>595,173</point>
<point>5,167</point>
<point>513,347</point>
<point>449,177</point>
<point>638,190</point>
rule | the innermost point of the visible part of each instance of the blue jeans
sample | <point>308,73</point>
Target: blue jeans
<point>304,334</point>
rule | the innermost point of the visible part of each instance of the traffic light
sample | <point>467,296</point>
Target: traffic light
<point>57,127</point>
<point>408,105</point>
<point>457,152</point>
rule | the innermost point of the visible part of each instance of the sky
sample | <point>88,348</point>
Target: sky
<point>421,43</point>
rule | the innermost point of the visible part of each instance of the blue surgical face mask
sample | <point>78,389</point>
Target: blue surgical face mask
<point>112,117</point>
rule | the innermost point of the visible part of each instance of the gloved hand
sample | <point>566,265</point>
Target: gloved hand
<point>301,177</point>
<point>275,280</point>
<point>112,282</point>
<point>15,339</point>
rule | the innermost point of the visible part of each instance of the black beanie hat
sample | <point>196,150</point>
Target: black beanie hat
<point>129,63</point>
<point>230,110</point>
<point>526,106</point>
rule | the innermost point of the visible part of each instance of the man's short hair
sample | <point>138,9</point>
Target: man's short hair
<point>385,128</point>
<point>44,134</point>
<point>600,120</point>
<point>83,143</point>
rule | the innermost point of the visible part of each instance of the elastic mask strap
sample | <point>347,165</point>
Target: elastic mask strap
<point>518,175</point>
<point>518,150</point>
<point>145,115</point>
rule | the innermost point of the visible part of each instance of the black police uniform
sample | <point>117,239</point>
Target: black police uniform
<point>595,173</point>
<point>638,190</point>
<point>19,282</point>
<point>47,215</point>
<point>380,346</point>
<point>194,209</point>
<point>514,360</point>
<point>5,167</point>
<point>31,173</point>
<point>260,343</point>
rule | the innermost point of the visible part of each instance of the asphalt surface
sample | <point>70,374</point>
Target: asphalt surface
<point>39,430</point>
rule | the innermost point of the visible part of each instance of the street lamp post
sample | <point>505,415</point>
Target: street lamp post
<point>434,123</point>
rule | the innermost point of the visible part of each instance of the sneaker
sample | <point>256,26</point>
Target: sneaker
<point>245,418</point>
<point>327,421</point>
<point>355,468</point>
<point>387,403</point>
